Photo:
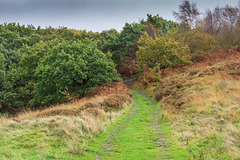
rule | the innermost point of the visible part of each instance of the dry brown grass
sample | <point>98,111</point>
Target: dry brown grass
<point>110,97</point>
<point>204,101</point>
<point>210,60</point>
<point>71,125</point>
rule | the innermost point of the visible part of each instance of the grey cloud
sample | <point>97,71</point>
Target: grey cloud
<point>94,15</point>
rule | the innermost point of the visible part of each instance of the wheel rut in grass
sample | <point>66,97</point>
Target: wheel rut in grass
<point>161,142</point>
<point>108,144</point>
<point>137,135</point>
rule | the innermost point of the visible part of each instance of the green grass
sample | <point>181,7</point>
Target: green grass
<point>138,135</point>
<point>53,137</point>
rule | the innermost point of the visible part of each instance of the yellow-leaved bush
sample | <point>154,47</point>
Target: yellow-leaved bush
<point>163,51</point>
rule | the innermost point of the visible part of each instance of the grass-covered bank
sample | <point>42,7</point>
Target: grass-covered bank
<point>134,132</point>
<point>64,131</point>
<point>202,106</point>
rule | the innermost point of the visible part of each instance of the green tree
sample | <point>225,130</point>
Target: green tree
<point>160,23</point>
<point>8,95</point>
<point>71,69</point>
<point>2,69</point>
<point>66,34</point>
<point>10,56</point>
<point>128,39</point>
<point>109,41</point>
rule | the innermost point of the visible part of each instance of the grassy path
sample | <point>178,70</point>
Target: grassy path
<point>137,135</point>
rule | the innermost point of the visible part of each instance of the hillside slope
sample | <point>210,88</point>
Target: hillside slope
<point>203,105</point>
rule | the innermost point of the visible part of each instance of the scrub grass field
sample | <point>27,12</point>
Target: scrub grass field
<point>140,134</point>
<point>62,131</point>
<point>135,132</point>
<point>202,105</point>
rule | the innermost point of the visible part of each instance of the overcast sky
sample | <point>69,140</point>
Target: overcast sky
<point>95,15</point>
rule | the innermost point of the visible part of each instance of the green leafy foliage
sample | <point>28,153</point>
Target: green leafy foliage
<point>160,23</point>
<point>127,41</point>
<point>71,69</point>
<point>10,56</point>
<point>43,66</point>
<point>8,95</point>
<point>2,68</point>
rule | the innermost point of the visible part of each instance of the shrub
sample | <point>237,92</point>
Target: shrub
<point>2,68</point>
<point>72,69</point>
<point>162,51</point>
<point>200,44</point>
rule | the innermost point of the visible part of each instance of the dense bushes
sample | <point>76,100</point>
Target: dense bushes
<point>199,43</point>
<point>2,68</point>
<point>71,69</point>
<point>162,51</point>
<point>44,66</point>
<point>51,66</point>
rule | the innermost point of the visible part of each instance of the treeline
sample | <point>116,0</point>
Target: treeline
<point>221,22</point>
<point>196,36</point>
<point>44,66</point>
<point>41,67</point>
